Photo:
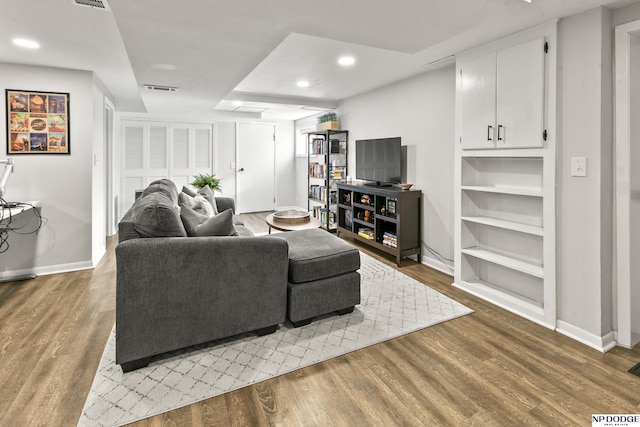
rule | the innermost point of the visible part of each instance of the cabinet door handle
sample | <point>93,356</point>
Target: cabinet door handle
<point>489,129</point>
<point>499,128</point>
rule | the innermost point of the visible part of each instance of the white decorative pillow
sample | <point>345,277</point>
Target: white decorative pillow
<point>207,209</point>
<point>197,203</point>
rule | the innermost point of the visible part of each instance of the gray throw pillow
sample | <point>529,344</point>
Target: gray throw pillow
<point>155,215</point>
<point>188,190</point>
<point>208,194</point>
<point>198,225</point>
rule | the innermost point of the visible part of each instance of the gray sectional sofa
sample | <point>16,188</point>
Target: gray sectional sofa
<point>175,291</point>
<point>186,278</point>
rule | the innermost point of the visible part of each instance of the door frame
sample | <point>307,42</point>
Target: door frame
<point>622,227</point>
<point>275,160</point>
<point>109,163</point>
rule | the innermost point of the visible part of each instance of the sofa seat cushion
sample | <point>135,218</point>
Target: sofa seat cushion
<point>198,225</point>
<point>154,214</point>
<point>317,254</point>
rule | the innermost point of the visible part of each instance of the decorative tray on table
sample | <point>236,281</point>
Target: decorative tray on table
<point>291,217</point>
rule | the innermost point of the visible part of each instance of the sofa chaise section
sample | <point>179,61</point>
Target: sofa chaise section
<point>182,291</point>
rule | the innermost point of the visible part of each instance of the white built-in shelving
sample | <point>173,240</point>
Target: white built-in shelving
<point>505,174</point>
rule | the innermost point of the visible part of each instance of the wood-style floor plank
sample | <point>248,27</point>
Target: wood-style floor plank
<point>490,368</point>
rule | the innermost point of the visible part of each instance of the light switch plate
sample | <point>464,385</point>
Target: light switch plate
<point>578,166</point>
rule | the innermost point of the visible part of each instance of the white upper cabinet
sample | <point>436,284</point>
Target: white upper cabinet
<point>502,98</point>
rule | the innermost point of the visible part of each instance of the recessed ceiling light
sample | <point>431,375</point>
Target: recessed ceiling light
<point>302,83</point>
<point>29,44</point>
<point>237,103</point>
<point>168,67</point>
<point>345,61</point>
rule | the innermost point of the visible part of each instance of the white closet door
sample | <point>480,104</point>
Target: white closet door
<point>478,102</point>
<point>134,171</point>
<point>181,153</point>
<point>156,150</point>
<point>520,95</point>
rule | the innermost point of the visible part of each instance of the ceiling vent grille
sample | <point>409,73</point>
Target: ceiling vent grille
<point>162,88</point>
<point>96,4</point>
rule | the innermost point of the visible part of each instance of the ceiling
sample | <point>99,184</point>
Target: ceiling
<point>217,52</point>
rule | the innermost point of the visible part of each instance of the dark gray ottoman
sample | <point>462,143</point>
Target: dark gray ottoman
<point>322,275</point>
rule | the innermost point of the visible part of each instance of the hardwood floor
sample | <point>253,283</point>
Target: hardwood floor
<point>487,368</point>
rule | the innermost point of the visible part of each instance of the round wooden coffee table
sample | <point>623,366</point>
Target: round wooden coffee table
<point>312,223</point>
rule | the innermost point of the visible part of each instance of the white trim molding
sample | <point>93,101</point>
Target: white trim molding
<point>602,344</point>
<point>622,279</point>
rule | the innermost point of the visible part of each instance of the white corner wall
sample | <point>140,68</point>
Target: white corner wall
<point>584,217</point>
<point>98,193</point>
<point>62,183</point>
<point>421,110</point>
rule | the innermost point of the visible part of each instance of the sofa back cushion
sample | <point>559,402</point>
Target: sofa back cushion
<point>155,214</point>
<point>165,186</point>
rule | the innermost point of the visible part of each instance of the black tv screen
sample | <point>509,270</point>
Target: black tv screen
<point>379,160</point>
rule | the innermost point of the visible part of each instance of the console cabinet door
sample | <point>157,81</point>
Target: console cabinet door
<point>478,102</point>
<point>520,95</point>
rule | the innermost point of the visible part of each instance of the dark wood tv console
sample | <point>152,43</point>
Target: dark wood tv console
<point>386,218</point>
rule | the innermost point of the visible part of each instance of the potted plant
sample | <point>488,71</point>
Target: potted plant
<point>207,179</point>
<point>327,121</point>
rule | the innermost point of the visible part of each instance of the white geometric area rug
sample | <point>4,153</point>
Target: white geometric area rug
<point>392,304</point>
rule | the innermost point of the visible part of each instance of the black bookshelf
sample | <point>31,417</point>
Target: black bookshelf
<point>385,218</point>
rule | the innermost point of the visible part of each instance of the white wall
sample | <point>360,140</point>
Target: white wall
<point>421,110</point>
<point>62,183</point>
<point>584,218</point>
<point>98,194</point>
<point>285,164</point>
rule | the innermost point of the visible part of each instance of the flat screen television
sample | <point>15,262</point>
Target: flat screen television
<point>379,160</point>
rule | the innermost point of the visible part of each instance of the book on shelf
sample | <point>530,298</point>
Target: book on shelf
<point>316,146</point>
<point>367,233</point>
<point>317,170</point>
<point>337,172</point>
<point>319,192</point>
<point>390,239</point>
<point>325,217</point>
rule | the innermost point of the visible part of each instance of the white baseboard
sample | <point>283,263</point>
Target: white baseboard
<point>41,271</point>
<point>602,344</point>
<point>290,208</point>
<point>437,265</point>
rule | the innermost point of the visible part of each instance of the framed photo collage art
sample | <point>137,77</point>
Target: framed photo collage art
<point>37,122</point>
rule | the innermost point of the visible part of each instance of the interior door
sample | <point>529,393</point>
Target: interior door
<point>255,162</point>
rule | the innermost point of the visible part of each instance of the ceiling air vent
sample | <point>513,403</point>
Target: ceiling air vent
<point>162,88</point>
<point>96,4</point>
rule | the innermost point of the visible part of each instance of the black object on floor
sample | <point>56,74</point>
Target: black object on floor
<point>635,370</point>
